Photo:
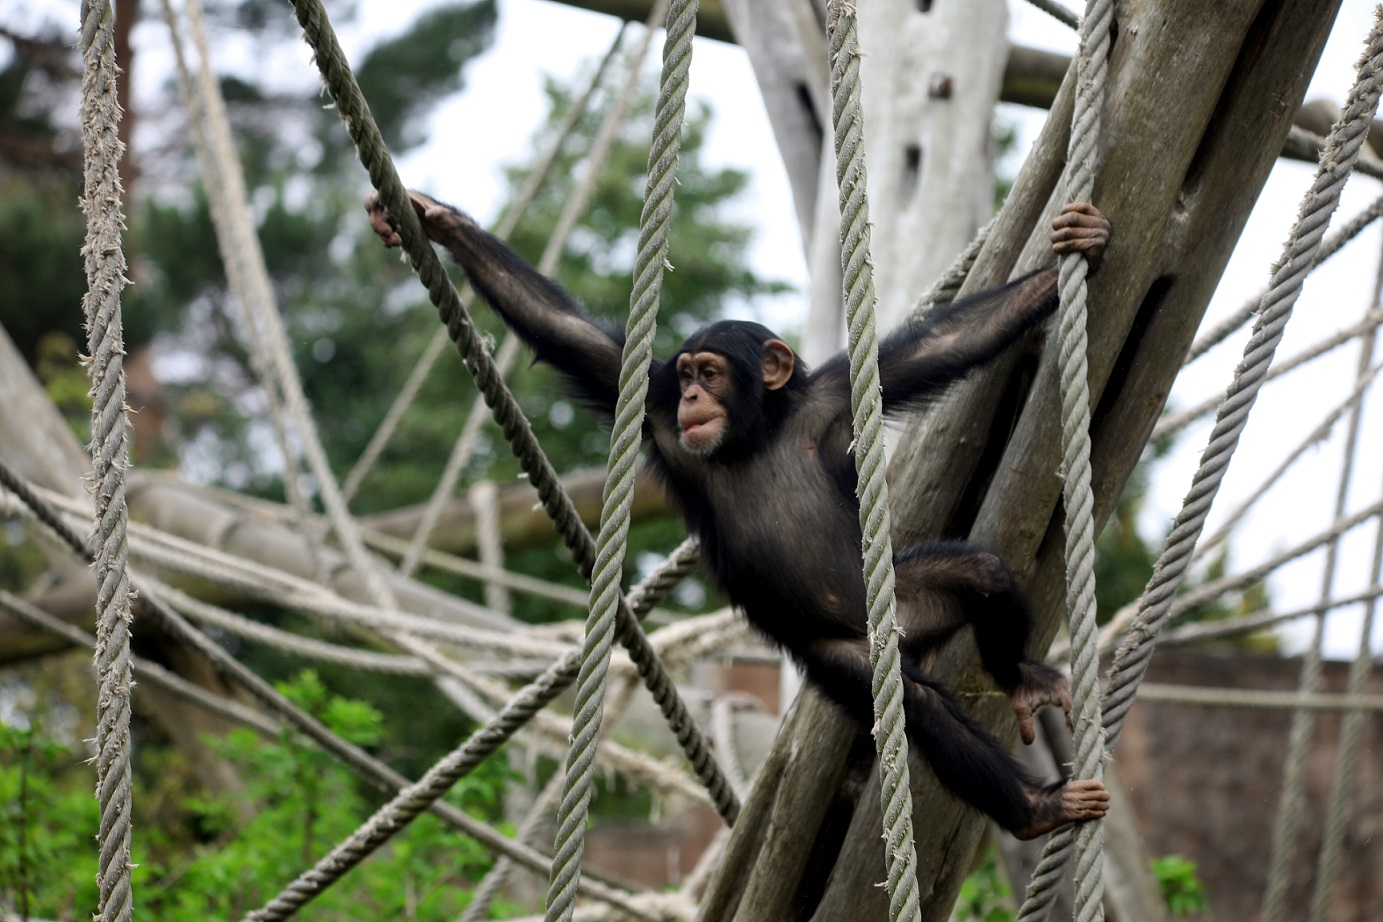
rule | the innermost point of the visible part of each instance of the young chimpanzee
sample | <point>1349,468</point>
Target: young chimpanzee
<point>755,450</point>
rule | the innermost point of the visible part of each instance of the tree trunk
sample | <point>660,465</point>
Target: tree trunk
<point>1201,98</point>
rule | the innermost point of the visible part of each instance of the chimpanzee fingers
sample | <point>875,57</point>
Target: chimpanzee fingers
<point>1080,228</point>
<point>380,221</point>
<point>1026,732</point>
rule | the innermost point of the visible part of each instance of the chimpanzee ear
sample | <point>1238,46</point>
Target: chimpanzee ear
<point>778,362</point>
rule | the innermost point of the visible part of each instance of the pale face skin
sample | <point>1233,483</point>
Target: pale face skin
<point>704,379</point>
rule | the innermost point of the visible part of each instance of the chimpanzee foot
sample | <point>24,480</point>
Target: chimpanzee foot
<point>1070,802</point>
<point>1040,685</point>
<point>1081,228</point>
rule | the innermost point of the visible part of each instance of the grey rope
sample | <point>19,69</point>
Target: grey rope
<point>1132,658</point>
<point>866,401</point>
<point>625,441</point>
<point>355,114</point>
<point>105,278</point>
<point>362,763</point>
<point>1078,497</point>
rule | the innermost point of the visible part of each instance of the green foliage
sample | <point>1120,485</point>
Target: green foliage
<point>47,818</point>
<point>298,803</point>
<point>1181,888</point>
<point>984,896</point>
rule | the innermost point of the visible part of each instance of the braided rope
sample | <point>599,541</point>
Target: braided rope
<point>866,401</point>
<point>105,277</point>
<point>355,115</point>
<point>1078,497</point>
<point>1132,658</point>
<point>625,442</point>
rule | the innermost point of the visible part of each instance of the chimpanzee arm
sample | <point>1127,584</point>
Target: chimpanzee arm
<point>532,305</point>
<point>923,357</point>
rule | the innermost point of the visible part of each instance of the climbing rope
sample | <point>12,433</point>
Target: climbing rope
<point>866,402</point>
<point>355,115</point>
<point>1078,498</point>
<point>1131,660</point>
<point>105,279</point>
<point>625,441</point>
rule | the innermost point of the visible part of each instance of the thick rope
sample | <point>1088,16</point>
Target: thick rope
<point>625,442</point>
<point>1131,661</point>
<point>355,114</point>
<point>105,279</point>
<point>948,287</point>
<point>1078,497</point>
<point>866,402</point>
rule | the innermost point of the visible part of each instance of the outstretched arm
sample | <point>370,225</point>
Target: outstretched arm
<point>923,357</point>
<point>532,305</point>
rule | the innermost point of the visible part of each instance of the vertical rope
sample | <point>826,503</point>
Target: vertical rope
<point>105,278</point>
<point>1078,497</point>
<point>866,401</point>
<point>1131,660</point>
<point>625,441</point>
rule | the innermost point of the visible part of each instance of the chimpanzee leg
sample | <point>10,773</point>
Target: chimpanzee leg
<point>966,759</point>
<point>943,584</point>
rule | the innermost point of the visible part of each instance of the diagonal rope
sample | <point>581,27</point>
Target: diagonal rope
<point>105,278</point>
<point>1131,660</point>
<point>625,441</point>
<point>355,114</point>
<point>1078,497</point>
<point>866,402</point>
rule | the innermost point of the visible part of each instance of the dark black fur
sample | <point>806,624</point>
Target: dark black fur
<point>775,506</point>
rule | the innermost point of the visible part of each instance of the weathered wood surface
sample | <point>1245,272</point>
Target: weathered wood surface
<point>1201,99</point>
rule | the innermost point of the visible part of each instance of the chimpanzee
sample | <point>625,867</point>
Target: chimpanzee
<point>755,451</point>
